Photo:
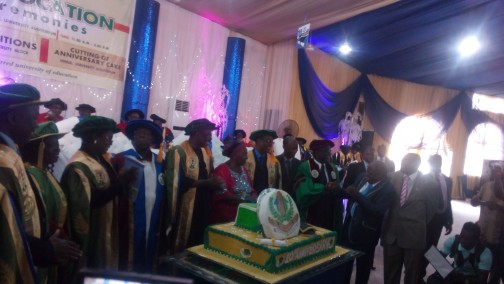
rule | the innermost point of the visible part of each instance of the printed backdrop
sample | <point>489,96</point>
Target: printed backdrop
<point>80,41</point>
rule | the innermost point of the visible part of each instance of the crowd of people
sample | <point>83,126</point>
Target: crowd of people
<point>124,211</point>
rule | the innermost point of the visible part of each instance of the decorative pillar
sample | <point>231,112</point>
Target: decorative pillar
<point>139,69</point>
<point>232,80</point>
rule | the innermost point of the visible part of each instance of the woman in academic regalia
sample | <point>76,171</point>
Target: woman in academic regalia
<point>92,188</point>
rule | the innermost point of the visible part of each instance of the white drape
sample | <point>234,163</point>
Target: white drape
<point>106,102</point>
<point>189,65</point>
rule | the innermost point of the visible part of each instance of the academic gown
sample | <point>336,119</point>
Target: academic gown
<point>144,245</point>
<point>91,188</point>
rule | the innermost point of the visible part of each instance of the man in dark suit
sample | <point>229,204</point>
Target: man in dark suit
<point>288,163</point>
<point>404,234</point>
<point>443,216</point>
<point>369,200</point>
<point>381,151</point>
<point>356,169</point>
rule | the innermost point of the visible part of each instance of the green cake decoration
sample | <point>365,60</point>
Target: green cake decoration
<point>246,217</point>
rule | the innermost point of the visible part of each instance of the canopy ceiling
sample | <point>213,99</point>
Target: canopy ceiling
<point>270,21</point>
<point>410,40</point>
<point>417,41</point>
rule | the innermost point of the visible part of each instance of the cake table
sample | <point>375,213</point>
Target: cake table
<point>212,267</point>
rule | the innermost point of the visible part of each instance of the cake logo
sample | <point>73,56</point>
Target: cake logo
<point>278,214</point>
<point>245,252</point>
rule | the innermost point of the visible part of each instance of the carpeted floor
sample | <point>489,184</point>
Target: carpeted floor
<point>462,212</point>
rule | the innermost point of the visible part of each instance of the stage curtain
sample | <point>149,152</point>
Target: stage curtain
<point>189,66</point>
<point>251,101</point>
<point>279,71</point>
<point>188,61</point>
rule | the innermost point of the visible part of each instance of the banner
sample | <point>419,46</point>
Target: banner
<point>79,41</point>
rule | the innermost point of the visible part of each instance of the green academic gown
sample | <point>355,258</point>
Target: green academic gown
<point>316,205</point>
<point>54,209</point>
<point>18,218</point>
<point>95,230</point>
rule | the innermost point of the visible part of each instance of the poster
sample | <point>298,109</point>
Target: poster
<point>79,41</point>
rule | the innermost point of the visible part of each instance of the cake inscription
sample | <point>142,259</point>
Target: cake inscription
<point>302,252</point>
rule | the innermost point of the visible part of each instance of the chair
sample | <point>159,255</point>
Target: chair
<point>464,191</point>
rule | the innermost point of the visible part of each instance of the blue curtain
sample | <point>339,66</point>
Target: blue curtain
<point>325,108</point>
<point>382,116</point>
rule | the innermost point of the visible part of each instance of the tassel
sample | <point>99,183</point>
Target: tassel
<point>40,156</point>
<point>161,147</point>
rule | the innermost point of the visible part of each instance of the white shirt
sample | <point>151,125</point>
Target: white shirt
<point>411,182</point>
<point>320,167</point>
<point>150,179</point>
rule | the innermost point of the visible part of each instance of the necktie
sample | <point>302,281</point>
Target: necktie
<point>288,167</point>
<point>404,189</point>
<point>444,191</point>
<point>363,193</point>
<point>323,177</point>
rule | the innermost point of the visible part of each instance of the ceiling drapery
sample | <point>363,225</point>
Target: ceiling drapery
<point>325,108</point>
<point>417,41</point>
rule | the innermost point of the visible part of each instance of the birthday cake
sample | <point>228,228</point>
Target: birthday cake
<point>267,237</point>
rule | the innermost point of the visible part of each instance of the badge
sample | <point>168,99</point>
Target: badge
<point>315,173</point>
<point>192,165</point>
<point>161,179</point>
<point>333,175</point>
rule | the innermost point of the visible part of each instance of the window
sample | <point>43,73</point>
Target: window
<point>485,143</point>
<point>488,103</point>
<point>423,136</point>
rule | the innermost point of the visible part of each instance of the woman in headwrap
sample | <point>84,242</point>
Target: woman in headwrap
<point>238,185</point>
<point>92,188</point>
<point>39,155</point>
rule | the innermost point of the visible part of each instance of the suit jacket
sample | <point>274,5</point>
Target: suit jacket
<point>406,226</point>
<point>353,172</point>
<point>446,216</point>
<point>288,181</point>
<point>363,229</point>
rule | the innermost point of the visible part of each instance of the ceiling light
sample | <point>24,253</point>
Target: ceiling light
<point>345,48</point>
<point>469,46</point>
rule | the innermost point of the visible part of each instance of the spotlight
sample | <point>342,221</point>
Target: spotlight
<point>345,48</point>
<point>469,46</point>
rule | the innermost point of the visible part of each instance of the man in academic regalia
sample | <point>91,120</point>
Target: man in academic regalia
<point>56,107</point>
<point>262,165</point>
<point>159,121</point>
<point>316,189</point>
<point>189,181</point>
<point>130,115</point>
<point>20,229</point>
<point>147,197</point>
<point>85,110</point>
